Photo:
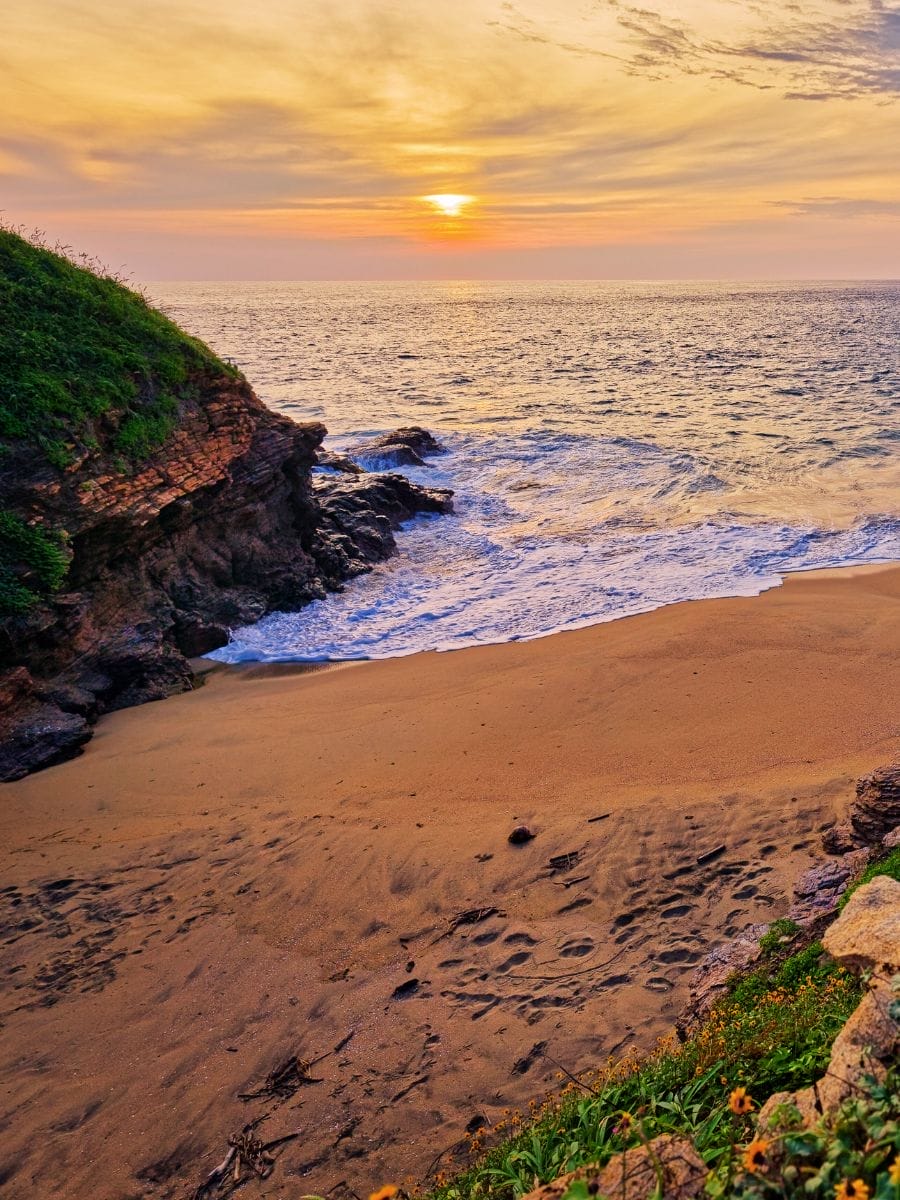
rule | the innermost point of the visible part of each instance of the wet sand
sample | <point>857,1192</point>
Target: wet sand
<point>273,865</point>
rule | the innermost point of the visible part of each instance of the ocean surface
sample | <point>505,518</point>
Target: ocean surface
<point>613,447</point>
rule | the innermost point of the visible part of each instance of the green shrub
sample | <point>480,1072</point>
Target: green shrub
<point>32,563</point>
<point>779,933</point>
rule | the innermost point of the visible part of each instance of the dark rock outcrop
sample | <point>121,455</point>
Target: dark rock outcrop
<point>34,727</point>
<point>818,890</point>
<point>223,524</point>
<point>407,447</point>
<point>876,810</point>
<point>338,462</point>
<point>874,814</point>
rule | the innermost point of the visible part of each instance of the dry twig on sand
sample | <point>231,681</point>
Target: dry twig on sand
<point>564,862</point>
<point>248,1156</point>
<point>285,1079</point>
<point>472,916</point>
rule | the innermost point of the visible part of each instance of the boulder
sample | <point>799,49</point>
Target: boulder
<point>406,447</point>
<point>635,1174</point>
<point>876,809</point>
<point>338,462</point>
<point>866,936</point>
<point>358,514</point>
<point>36,734</point>
<point>817,892</point>
<point>840,838</point>
<point>866,1046</point>
<point>803,1101</point>
<point>874,813</point>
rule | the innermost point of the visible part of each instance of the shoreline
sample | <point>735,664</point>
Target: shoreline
<point>206,664</point>
<point>274,862</point>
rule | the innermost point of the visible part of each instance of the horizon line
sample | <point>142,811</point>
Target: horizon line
<point>814,279</point>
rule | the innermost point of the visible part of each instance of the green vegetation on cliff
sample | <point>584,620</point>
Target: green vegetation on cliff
<point>32,561</point>
<point>86,366</point>
<point>84,358</point>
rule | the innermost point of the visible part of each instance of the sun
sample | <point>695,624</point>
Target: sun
<point>449,204</point>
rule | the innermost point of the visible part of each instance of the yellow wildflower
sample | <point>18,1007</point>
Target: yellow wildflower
<point>739,1102</point>
<point>755,1155</point>
<point>852,1189</point>
<point>894,1172</point>
<point>385,1193</point>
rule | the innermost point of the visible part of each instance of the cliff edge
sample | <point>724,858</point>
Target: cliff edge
<point>148,502</point>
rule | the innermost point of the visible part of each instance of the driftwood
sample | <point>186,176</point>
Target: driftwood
<point>471,916</point>
<point>285,1079</point>
<point>564,862</point>
<point>710,855</point>
<point>248,1156</point>
<point>567,883</point>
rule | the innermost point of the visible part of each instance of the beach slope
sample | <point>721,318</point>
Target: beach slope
<point>315,864</point>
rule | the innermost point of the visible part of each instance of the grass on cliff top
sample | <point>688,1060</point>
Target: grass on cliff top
<point>77,346</point>
<point>84,362</point>
<point>772,1032</point>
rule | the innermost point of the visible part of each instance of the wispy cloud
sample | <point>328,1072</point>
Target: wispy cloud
<point>841,49</point>
<point>840,207</point>
<point>572,121</point>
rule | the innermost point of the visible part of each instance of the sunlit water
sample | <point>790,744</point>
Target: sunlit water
<point>613,447</point>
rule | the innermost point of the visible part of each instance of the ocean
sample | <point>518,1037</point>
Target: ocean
<point>613,447</point>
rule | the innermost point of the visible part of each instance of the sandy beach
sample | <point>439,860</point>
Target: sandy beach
<point>315,864</point>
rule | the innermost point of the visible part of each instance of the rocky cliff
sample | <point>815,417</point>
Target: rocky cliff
<point>134,532</point>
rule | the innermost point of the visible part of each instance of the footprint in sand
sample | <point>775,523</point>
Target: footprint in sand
<point>520,939</point>
<point>659,983</point>
<point>678,954</point>
<point>759,871</point>
<point>626,918</point>
<point>485,939</point>
<point>514,960</point>
<point>577,947</point>
<point>745,893</point>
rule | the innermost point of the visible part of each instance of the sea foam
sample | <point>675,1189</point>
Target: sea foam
<point>613,447</point>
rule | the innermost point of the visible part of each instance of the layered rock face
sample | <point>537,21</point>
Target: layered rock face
<point>223,524</point>
<point>873,816</point>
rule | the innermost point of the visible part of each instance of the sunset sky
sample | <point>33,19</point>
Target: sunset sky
<point>208,139</point>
